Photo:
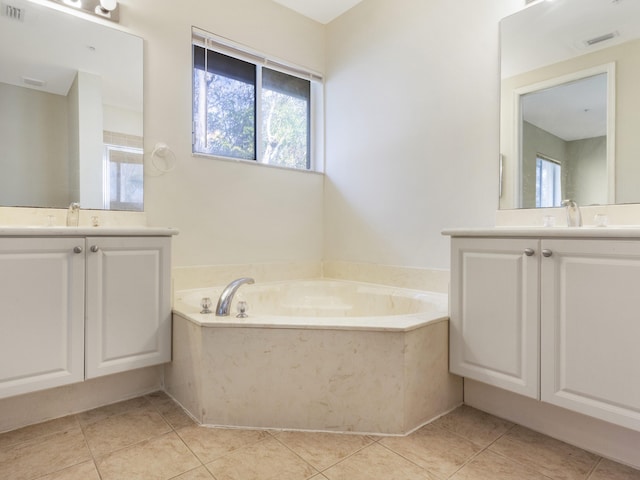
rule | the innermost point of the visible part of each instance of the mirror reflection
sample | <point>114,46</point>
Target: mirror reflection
<point>564,143</point>
<point>70,112</point>
<point>570,107</point>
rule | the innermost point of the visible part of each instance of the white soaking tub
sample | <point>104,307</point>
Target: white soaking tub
<point>314,355</point>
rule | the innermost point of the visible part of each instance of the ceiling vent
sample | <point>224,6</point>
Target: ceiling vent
<point>600,39</point>
<point>33,82</point>
<point>12,11</point>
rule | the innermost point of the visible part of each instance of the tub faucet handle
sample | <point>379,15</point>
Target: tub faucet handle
<point>242,309</point>
<point>205,303</point>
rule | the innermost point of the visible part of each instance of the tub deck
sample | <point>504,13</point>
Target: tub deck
<point>322,311</point>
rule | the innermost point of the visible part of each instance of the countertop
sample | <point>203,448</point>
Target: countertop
<point>129,231</point>
<point>622,231</point>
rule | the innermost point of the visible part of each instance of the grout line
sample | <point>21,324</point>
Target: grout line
<point>514,460</point>
<point>409,460</point>
<point>535,465</point>
<point>86,442</point>
<point>317,471</point>
<point>593,469</point>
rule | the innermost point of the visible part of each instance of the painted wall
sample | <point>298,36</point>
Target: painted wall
<point>227,212</point>
<point>412,127</point>
<point>587,170</point>
<point>33,147</point>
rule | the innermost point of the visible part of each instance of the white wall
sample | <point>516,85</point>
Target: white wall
<point>412,127</point>
<point>34,148</point>
<point>90,140</point>
<point>227,212</point>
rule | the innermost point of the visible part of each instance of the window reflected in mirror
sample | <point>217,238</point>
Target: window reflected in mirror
<point>548,182</point>
<point>123,172</point>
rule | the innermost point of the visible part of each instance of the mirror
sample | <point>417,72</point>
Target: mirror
<point>570,106</point>
<point>70,111</point>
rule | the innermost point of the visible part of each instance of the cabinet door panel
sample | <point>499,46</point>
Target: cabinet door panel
<point>128,304</point>
<point>42,319</point>
<point>495,313</point>
<point>591,328</point>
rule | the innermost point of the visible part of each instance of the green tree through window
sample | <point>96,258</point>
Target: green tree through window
<point>225,111</point>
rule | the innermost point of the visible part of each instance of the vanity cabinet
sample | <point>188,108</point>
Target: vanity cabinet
<point>590,328</point>
<point>556,319</point>
<point>41,314</point>
<point>75,308</point>
<point>128,305</point>
<point>495,313</point>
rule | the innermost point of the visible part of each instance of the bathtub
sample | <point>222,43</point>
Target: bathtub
<point>321,355</point>
<point>320,304</point>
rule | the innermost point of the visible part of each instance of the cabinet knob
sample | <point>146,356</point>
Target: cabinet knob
<point>529,252</point>
<point>546,253</point>
<point>94,248</point>
<point>77,249</point>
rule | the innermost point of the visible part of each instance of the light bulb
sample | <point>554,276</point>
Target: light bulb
<point>108,5</point>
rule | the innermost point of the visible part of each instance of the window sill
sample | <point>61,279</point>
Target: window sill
<point>253,162</point>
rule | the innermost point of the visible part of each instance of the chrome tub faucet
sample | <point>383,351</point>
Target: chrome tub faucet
<point>224,302</point>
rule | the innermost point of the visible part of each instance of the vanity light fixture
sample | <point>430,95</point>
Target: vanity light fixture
<point>107,6</point>
<point>107,9</point>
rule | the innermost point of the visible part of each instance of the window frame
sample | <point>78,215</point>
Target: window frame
<point>315,133</point>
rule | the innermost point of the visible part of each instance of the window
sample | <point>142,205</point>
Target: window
<point>548,182</point>
<point>244,109</point>
<point>123,172</point>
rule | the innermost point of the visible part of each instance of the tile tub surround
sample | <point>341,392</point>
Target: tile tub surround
<point>430,280</point>
<point>466,444</point>
<point>200,276</point>
<point>312,379</point>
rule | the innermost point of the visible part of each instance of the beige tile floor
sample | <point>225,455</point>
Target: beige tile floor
<point>151,438</point>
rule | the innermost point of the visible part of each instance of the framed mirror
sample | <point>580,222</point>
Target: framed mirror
<point>70,111</point>
<point>569,103</point>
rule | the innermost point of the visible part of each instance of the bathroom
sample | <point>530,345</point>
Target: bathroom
<point>399,166</point>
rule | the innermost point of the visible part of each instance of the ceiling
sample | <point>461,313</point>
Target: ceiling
<point>551,32</point>
<point>45,48</point>
<point>323,11</point>
<point>579,108</point>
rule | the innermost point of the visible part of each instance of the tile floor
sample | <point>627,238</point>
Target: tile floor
<point>151,438</point>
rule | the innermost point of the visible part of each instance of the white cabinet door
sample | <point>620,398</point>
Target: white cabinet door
<point>591,328</point>
<point>42,315</point>
<point>494,336</point>
<point>128,303</point>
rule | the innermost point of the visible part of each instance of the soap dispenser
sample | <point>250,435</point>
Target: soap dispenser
<point>73,215</point>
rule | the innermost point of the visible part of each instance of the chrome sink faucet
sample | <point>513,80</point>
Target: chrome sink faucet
<point>73,214</point>
<point>574,217</point>
<point>224,302</point>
